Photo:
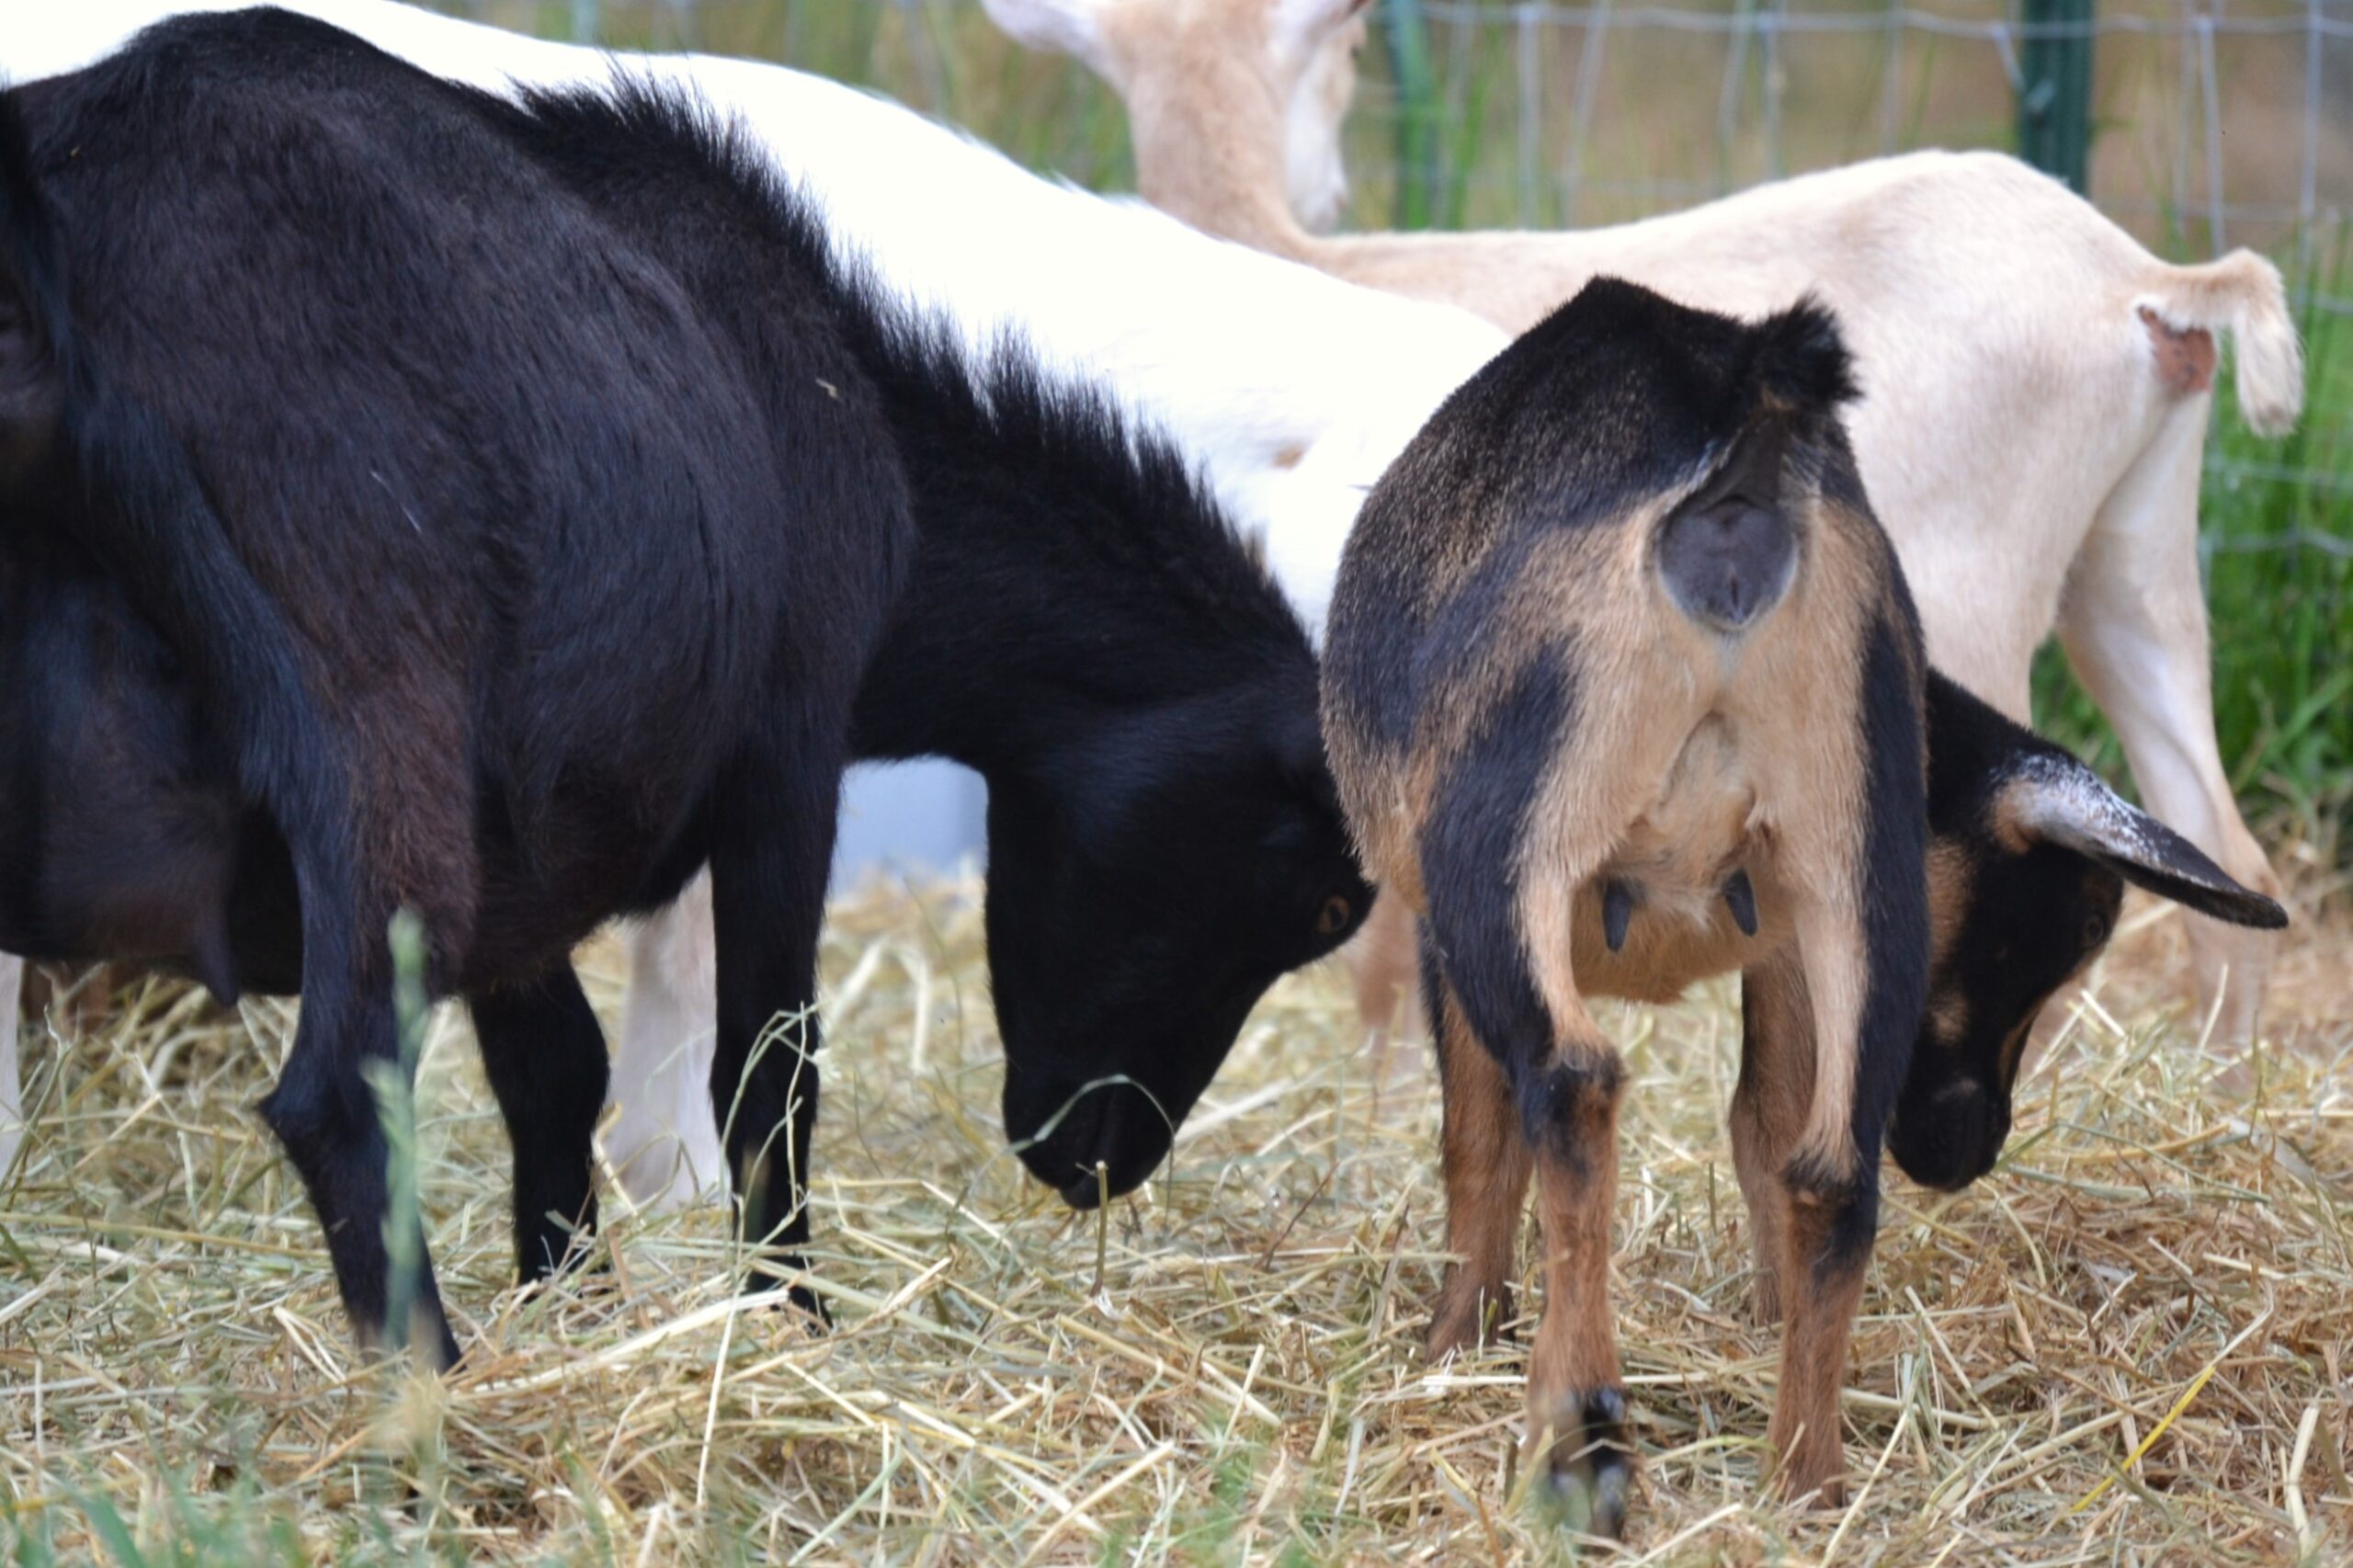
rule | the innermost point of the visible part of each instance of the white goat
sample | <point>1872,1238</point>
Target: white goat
<point>2036,384</point>
<point>1288,390</point>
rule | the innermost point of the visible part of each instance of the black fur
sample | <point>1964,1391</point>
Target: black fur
<point>1470,852</point>
<point>512,590</point>
<point>1740,897</point>
<point>1083,628</point>
<point>1894,910</point>
<point>2035,916</point>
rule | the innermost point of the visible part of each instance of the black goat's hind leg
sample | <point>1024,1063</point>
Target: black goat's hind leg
<point>326,1115</point>
<point>771,848</point>
<point>545,1057</point>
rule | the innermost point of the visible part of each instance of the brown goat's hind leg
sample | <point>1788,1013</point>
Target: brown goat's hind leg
<point>1577,1441</point>
<point>1485,1160</point>
<point>1768,1111</point>
<point>1827,1243</point>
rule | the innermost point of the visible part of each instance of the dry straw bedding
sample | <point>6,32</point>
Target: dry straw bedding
<point>2128,1346</point>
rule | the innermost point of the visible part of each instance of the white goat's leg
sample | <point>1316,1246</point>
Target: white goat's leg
<point>2134,626</point>
<point>12,1088</point>
<point>1382,963</point>
<point>665,1142</point>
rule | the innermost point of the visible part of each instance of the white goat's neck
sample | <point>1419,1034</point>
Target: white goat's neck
<point>1207,128</point>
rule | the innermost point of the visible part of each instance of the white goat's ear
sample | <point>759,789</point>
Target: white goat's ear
<point>1300,27</point>
<point>1054,27</point>
<point>2057,800</point>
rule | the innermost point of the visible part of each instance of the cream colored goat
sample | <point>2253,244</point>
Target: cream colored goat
<point>2036,384</point>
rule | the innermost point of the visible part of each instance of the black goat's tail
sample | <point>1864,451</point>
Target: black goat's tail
<point>36,334</point>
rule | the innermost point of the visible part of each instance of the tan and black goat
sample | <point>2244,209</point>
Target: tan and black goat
<point>1624,689</point>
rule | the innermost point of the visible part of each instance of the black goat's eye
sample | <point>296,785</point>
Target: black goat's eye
<point>2094,931</point>
<point>1333,918</point>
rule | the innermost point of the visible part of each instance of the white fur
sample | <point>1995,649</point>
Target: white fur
<point>1290,392</point>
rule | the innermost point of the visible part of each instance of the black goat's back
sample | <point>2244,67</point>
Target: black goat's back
<point>554,504</point>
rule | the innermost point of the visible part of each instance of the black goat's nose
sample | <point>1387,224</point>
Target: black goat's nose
<point>1104,1144</point>
<point>1951,1137</point>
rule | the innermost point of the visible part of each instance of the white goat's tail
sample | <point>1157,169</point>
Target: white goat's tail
<point>2242,292</point>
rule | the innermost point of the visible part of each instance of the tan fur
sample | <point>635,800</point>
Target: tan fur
<point>2022,431</point>
<point>1769,1111</point>
<point>1686,757</point>
<point>1576,1339</point>
<point>1681,773</point>
<point>1486,1162</point>
<point>1821,1318</point>
<point>1770,1124</point>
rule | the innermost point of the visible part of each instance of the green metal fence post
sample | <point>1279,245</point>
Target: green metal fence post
<point>2055,88</point>
<point>1419,116</point>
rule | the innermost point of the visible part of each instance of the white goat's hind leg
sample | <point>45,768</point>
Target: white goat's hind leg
<point>665,1142</point>
<point>12,1087</point>
<point>1381,961</point>
<point>2134,626</point>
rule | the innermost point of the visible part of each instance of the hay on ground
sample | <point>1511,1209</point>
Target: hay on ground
<point>2128,1345</point>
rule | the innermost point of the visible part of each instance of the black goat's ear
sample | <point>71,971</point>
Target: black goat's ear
<point>2057,800</point>
<point>1304,761</point>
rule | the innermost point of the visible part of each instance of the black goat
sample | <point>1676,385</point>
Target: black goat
<point>421,501</point>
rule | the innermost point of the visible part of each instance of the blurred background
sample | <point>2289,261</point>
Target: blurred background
<point>2197,124</point>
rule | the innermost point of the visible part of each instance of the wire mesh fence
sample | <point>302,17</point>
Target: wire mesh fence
<point>2213,116</point>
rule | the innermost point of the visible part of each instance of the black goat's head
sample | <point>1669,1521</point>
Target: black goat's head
<point>2029,858</point>
<point>1139,906</point>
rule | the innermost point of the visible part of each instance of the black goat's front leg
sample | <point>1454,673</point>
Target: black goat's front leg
<point>326,1115</point>
<point>544,1055</point>
<point>771,848</point>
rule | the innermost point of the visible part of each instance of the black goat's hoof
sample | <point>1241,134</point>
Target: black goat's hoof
<point>1587,1476</point>
<point>807,1301</point>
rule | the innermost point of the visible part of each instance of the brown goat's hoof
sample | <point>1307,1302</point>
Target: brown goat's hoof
<point>1765,1299</point>
<point>1467,1319</point>
<point>1586,1477</point>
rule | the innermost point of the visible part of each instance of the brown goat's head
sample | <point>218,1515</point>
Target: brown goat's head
<point>2029,855</point>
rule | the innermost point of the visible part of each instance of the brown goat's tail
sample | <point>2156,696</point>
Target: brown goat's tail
<point>2242,293</point>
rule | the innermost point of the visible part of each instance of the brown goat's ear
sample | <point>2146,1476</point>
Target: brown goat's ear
<point>2057,800</point>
